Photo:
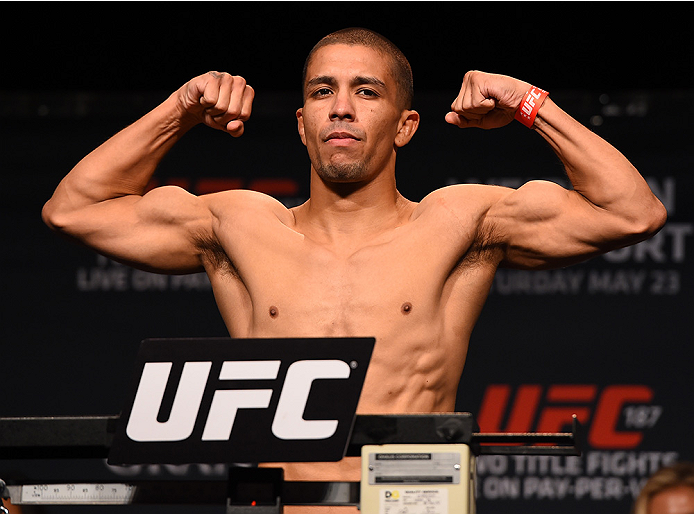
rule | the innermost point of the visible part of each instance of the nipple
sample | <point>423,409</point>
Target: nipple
<point>274,312</point>
<point>406,308</point>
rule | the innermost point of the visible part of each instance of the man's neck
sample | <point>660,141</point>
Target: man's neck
<point>336,211</point>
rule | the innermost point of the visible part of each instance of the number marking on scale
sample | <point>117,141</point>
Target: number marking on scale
<point>93,494</point>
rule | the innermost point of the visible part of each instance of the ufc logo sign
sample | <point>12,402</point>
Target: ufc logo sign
<point>241,400</point>
<point>615,416</point>
<point>288,422</point>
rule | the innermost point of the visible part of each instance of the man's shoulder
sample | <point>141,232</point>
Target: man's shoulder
<point>462,199</point>
<point>460,212</point>
<point>239,217</point>
<point>244,204</point>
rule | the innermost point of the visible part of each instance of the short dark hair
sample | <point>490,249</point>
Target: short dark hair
<point>357,36</point>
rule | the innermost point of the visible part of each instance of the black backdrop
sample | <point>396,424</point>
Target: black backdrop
<point>608,339</point>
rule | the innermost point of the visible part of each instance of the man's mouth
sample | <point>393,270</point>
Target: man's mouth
<point>340,135</point>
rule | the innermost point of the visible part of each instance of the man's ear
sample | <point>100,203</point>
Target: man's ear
<point>300,120</point>
<point>409,121</point>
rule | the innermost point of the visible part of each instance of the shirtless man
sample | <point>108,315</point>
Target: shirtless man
<point>357,259</point>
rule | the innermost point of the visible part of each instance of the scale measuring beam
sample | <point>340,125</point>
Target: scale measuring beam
<point>174,492</point>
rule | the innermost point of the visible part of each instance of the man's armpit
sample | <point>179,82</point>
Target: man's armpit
<point>213,253</point>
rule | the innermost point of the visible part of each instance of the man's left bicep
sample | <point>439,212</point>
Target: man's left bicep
<point>544,225</point>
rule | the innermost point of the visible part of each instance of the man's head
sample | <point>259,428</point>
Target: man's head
<point>354,117</point>
<point>400,66</point>
<point>669,490</point>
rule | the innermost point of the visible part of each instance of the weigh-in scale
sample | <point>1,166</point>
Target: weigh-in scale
<point>421,463</point>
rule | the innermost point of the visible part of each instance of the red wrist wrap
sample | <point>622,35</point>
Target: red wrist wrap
<point>532,101</point>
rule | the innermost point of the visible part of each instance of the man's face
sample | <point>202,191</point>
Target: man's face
<point>676,500</point>
<point>350,121</point>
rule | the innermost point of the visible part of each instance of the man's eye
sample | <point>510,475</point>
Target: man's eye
<point>324,91</point>
<point>367,92</point>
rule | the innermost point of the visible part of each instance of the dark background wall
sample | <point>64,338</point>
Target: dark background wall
<point>608,339</point>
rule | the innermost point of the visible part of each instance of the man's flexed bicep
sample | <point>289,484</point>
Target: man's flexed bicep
<point>159,231</point>
<point>542,225</point>
<point>102,201</point>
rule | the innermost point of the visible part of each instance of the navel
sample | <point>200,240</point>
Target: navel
<point>273,311</point>
<point>406,308</point>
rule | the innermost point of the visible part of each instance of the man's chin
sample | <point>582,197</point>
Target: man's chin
<point>343,173</point>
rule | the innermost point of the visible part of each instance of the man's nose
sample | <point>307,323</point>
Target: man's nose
<point>342,107</point>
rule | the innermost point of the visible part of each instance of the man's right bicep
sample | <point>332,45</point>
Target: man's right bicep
<point>155,232</point>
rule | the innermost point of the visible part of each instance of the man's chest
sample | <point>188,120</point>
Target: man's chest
<point>356,279</point>
<point>294,282</point>
<point>290,277</point>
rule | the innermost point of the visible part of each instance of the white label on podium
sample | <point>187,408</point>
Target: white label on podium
<point>414,501</point>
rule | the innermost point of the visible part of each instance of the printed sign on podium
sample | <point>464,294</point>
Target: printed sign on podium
<point>241,400</point>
